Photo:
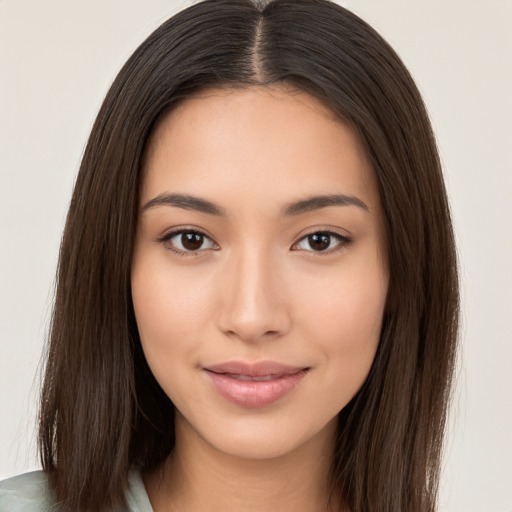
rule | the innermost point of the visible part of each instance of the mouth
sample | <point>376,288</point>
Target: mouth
<point>249,378</point>
<point>254,384</point>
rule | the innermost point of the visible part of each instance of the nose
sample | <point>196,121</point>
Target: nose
<point>255,306</point>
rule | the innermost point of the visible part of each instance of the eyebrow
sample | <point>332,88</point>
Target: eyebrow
<point>189,202</point>
<point>318,202</point>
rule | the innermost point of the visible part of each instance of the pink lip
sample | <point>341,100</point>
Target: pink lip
<point>254,384</point>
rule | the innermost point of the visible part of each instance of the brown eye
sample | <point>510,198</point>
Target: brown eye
<point>192,241</point>
<point>187,242</point>
<point>319,241</point>
<point>322,241</point>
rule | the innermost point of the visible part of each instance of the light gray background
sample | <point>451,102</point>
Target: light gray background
<point>57,59</point>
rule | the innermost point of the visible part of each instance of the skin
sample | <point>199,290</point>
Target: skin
<point>257,289</point>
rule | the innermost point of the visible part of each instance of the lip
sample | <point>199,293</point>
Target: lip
<point>254,384</point>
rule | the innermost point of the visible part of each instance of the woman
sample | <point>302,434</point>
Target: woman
<point>257,294</point>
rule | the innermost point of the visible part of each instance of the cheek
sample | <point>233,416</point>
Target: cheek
<point>170,309</point>
<point>344,316</point>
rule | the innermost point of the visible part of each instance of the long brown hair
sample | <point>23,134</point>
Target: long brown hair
<point>102,412</point>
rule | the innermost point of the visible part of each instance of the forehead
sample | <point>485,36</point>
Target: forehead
<point>277,141</point>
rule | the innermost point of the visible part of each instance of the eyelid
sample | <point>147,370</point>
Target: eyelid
<point>164,239</point>
<point>343,241</point>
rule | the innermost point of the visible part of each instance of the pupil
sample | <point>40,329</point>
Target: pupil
<point>319,241</point>
<point>192,241</point>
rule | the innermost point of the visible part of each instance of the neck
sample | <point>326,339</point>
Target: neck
<point>197,477</point>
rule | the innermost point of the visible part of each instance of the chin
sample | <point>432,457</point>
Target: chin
<point>267,437</point>
<point>257,448</point>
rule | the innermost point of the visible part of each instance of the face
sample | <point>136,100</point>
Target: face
<point>259,276</point>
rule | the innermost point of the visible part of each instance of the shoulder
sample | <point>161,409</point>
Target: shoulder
<point>30,492</point>
<point>136,496</point>
<point>26,493</point>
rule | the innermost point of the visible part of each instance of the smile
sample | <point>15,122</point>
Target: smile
<point>254,385</point>
<point>253,379</point>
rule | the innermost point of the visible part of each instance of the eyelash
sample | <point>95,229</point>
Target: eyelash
<point>343,241</point>
<point>169,236</point>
